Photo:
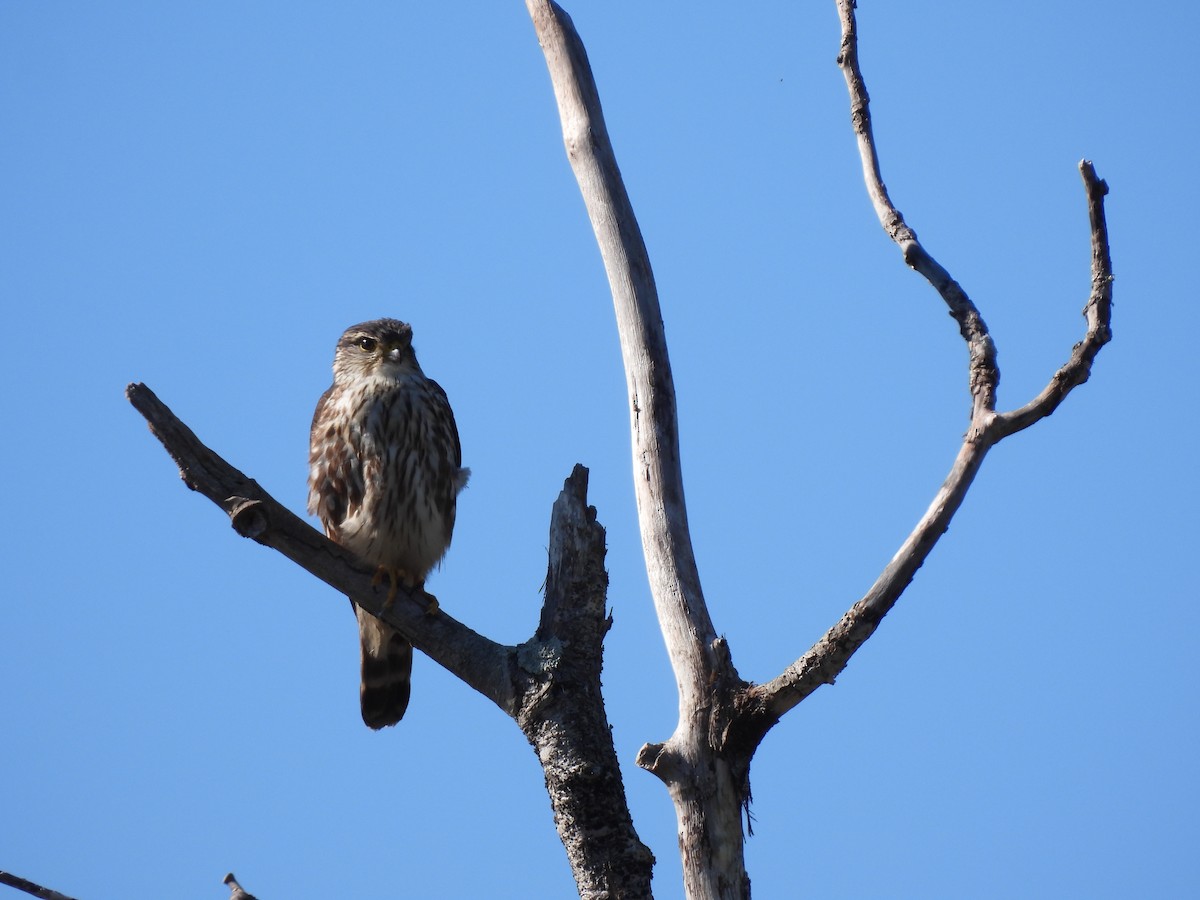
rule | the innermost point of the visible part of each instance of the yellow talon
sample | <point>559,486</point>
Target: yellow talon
<point>395,576</point>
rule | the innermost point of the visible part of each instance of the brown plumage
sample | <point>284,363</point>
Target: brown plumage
<point>385,469</point>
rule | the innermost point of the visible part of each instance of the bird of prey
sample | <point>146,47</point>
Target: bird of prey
<point>385,470</point>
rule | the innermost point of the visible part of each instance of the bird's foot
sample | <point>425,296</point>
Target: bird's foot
<point>395,578</point>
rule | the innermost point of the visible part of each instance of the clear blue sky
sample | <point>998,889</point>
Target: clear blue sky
<point>202,196</point>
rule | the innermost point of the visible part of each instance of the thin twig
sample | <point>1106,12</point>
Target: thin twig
<point>761,706</point>
<point>984,373</point>
<point>1098,313</point>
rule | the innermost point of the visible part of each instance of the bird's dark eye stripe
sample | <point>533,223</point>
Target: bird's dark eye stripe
<point>367,343</point>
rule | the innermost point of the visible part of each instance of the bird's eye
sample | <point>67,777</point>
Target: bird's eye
<point>367,344</point>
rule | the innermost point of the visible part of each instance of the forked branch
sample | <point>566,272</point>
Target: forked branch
<point>762,705</point>
<point>550,684</point>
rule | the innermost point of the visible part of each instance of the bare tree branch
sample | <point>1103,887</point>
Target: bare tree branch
<point>761,706</point>
<point>1098,313</point>
<point>658,479</point>
<point>825,660</point>
<point>708,793</point>
<point>984,372</point>
<point>550,684</point>
<point>481,663</point>
<point>30,887</point>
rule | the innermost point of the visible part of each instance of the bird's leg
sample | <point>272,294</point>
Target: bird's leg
<point>394,576</point>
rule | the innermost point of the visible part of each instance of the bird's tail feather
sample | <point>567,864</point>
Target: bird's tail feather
<point>386,672</point>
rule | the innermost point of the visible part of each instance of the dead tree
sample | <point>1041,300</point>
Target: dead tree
<point>550,684</point>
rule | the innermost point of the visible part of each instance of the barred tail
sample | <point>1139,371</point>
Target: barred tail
<point>386,672</point>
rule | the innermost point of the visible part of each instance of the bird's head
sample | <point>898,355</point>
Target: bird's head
<point>382,347</point>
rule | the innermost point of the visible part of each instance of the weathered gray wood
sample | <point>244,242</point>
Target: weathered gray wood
<point>1097,312</point>
<point>983,372</point>
<point>705,763</point>
<point>550,684</point>
<point>761,706</point>
<point>658,478</point>
<point>564,716</point>
<point>708,793</point>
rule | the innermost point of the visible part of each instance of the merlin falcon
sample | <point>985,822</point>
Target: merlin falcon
<point>385,470</point>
